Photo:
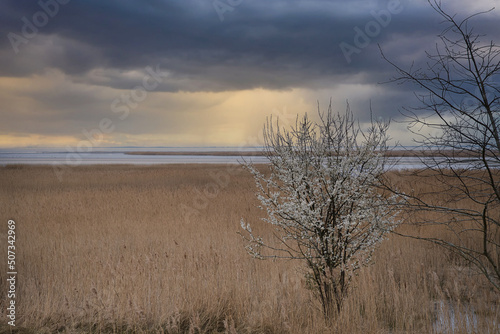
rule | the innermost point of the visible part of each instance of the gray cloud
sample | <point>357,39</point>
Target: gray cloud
<point>277,45</point>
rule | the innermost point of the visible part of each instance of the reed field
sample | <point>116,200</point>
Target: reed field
<point>155,249</point>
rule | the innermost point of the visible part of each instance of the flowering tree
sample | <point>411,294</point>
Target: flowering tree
<point>321,196</point>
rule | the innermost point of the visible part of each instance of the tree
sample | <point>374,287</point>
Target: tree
<point>462,98</point>
<point>320,195</point>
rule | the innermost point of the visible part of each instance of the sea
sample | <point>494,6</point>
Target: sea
<point>121,155</point>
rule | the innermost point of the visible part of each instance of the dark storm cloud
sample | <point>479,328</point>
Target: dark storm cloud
<point>270,44</point>
<point>276,44</point>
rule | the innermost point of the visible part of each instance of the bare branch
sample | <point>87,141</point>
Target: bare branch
<point>462,96</point>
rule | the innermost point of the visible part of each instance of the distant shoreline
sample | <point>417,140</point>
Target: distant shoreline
<point>202,153</point>
<point>393,153</point>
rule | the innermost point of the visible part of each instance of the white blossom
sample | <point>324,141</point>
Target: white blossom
<point>321,195</point>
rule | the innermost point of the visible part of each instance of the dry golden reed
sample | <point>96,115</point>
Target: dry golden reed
<point>155,249</point>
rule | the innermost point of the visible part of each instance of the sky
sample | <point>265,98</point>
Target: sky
<point>206,72</point>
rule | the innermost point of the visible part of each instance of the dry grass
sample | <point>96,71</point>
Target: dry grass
<point>127,249</point>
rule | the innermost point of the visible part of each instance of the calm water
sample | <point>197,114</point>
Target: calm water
<point>118,155</point>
